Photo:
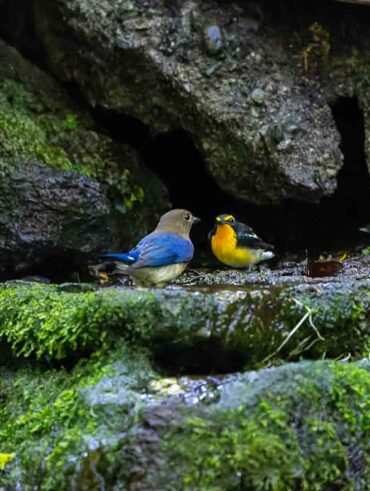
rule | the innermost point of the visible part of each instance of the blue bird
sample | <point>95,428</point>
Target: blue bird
<point>161,256</point>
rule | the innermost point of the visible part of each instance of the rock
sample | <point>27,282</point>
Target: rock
<point>215,330</point>
<point>43,210</point>
<point>258,96</point>
<point>213,39</point>
<point>112,422</point>
<point>147,59</point>
<point>66,189</point>
<point>303,425</point>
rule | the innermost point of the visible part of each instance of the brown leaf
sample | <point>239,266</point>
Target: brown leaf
<point>324,268</point>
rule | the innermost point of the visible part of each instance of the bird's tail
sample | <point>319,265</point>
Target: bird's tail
<point>121,261</point>
<point>125,259</point>
<point>267,255</point>
<point>365,229</point>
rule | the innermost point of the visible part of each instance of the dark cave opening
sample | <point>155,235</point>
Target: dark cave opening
<point>177,161</point>
<point>293,226</point>
<point>352,197</point>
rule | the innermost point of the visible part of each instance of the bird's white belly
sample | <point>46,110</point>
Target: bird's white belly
<point>157,276</point>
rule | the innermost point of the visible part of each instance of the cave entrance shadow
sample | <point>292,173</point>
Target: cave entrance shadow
<point>352,197</point>
<point>293,225</point>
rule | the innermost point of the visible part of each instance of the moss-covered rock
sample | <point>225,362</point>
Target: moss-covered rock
<point>112,421</point>
<point>188,330</point>
<point>91,192</point>
<point>64,427</point>
<point>303,426</point>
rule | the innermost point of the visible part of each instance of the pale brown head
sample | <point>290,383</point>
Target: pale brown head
<point>177,221</point>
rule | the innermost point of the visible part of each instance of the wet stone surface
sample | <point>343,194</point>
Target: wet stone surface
<point>287,272</point>
<point>122,388</point>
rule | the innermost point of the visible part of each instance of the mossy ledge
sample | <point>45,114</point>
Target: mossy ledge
<point>193,331</point>
<point>62,426</point>
<point>107,422</point>
<point>299,427</point>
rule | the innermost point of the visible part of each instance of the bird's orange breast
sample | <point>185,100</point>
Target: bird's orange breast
<point>224,244</point>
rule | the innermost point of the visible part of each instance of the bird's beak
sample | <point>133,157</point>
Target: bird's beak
<point>365,229</point>
<point>196,220</point>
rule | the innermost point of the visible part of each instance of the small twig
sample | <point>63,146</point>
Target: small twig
<point>309,310</point>
<point>307,315</point>
<point>301,347</point>
<point>292,332</point>
<point>344,359</point>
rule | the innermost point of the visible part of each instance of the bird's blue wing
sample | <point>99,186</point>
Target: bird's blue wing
<point>162,249</point>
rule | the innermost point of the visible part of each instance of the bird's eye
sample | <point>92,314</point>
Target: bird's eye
<point>187,217</point>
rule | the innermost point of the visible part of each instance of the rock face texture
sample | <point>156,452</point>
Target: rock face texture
<point>65,188</point>
<point>44,209</point>
<point>212,69</point>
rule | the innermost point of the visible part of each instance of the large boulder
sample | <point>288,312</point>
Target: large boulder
<point>45,210</point>
<point>112,422</point>
<point>66,189</point>
<point>210,68</point>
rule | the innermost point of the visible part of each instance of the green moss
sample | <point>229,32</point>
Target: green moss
<point>21,137</point>
<point>54,420</point>
<point>48,323</point>
<point>31,127</point>
<point>252,330</point>
<point>304,427</point>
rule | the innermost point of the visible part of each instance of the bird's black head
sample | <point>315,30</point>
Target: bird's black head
<point>225,218</point>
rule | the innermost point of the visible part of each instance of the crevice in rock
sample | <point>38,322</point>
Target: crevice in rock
<point>292,226</point>
<point>207,357</point>
<point>177,161</point>
<point>352,197</point>
<point>55,266</point>
<point>120,127</point>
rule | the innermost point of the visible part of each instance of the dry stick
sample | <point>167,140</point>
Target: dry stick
<point>310,318</point>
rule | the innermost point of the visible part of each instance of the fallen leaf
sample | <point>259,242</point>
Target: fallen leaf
<point>324,268</point>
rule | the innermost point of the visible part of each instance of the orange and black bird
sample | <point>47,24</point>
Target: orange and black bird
<point>236,245</point>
